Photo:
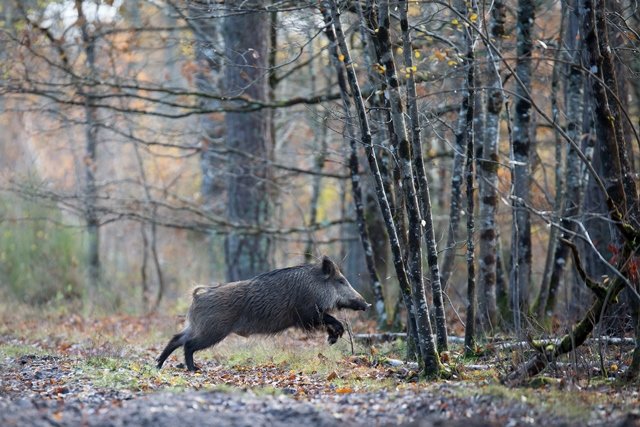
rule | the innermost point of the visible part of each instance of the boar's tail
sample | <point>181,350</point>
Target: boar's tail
<point>198,290</point>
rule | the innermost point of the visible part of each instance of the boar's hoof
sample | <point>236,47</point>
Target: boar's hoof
<point>335,331</point>
<point>183,366</point>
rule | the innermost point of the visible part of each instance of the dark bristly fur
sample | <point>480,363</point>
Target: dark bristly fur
<point>300,296</point>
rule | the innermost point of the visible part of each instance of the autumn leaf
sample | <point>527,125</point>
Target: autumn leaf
<point>379,68</point>
<point>344,390</point>
<point>440,56</point>
<point>332,376</point>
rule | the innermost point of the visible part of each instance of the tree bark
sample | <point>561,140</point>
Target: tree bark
<point>356,191</point>
<point>249,193</point>
<point>414,259</point>
<point>94,269</point>
<point>520,276</point>
<point>573,95</point>
<point>469,62</point>
<point>428,353</point>
<point>488,179</point>
<point>422,182</point>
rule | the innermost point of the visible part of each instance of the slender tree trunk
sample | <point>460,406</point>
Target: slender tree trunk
<point>469,62</point>
<point>206,30</point>
<point>423,183</point>
<point>414,259</point>
<point>356,190</point>
<point>520,276</point>
<point>429,355</point>
<point>614,150</point>
<point>559,177</point>
<point>389,168</point>
<point>488,179</point>
<point>547,299</point>
<point>455,202</point>
<point>502,289</point>
<point>207,79</point>
<point>94,269</point>
<point>320,143</point>
<point>250,196</point>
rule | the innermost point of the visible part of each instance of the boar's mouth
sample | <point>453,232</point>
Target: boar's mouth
<point>354,304</point>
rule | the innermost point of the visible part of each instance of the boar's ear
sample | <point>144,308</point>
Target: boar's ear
<point>329,269</point>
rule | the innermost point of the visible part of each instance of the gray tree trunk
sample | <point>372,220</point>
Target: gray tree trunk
<point>414,258</point>
<point>428,352</point>
<point>207,78</point>
<point>249,194</point>
<point>423,183</point>
<point>488,178</point>
<point>520,276</point>
<point>471,122</point>
<point>574,98</point>
<point>356,190</point>
<point>94,273</point>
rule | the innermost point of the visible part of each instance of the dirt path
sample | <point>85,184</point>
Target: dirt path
<point>70,371</point>
<point>39,391</point>
<point>247,409</point>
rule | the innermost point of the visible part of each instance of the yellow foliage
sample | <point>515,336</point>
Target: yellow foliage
<point>379,68</point>
<point>328,199</point>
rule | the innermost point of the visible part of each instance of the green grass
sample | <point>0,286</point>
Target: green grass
<point>19,350</point>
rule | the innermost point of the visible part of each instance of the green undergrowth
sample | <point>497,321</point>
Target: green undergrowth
<point>16,351</point>
<point>28,232</point>
<point>260,351</point>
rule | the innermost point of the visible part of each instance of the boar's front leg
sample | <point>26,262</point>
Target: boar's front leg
<point>334,327</point>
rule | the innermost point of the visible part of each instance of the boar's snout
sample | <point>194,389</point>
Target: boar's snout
<point>366,306</point>
<point>355,304</point>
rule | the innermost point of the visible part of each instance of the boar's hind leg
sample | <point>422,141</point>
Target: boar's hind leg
<point>334,328</point>
<point>194,344</point>
<point>176,341</point>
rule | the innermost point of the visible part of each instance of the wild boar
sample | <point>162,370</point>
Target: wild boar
<point>269,303</point>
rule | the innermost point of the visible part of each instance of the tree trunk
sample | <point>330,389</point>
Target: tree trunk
<point>207,79</point>
<point>94,270</point>
<point>470,327</point>
<point>414,259</point>
<point>488,179</point>
<point>429,355</point>
<point>456,196</point>
<point>356,191</point>
<point>320,147</point>
<point>520,276</point>
<point>572,196</point>
<point>249,192</point>
<point>422,183</point>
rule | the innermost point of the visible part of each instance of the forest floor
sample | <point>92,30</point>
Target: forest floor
<point>64,369</point>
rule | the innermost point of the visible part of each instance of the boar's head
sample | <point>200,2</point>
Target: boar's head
<point>346,296</point>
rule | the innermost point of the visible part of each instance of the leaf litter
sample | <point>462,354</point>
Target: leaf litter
<point>68,370</point>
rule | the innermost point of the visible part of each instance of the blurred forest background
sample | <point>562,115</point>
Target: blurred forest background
<point>147,146</point>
